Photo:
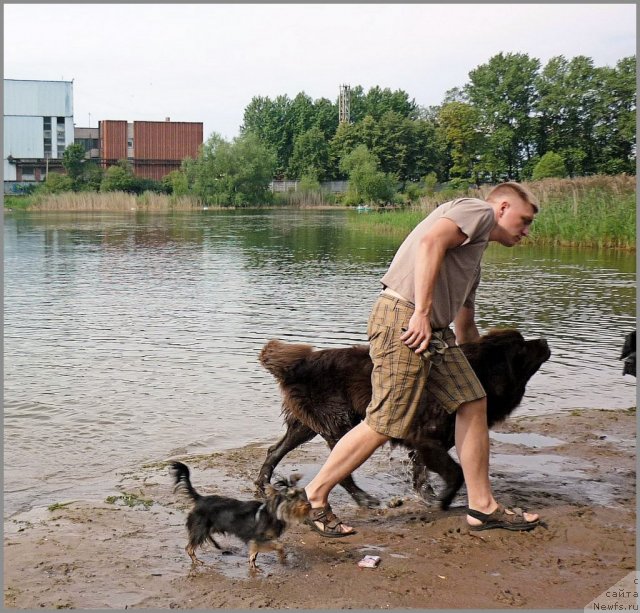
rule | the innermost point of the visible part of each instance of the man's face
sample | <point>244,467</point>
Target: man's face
<point>515,217</point>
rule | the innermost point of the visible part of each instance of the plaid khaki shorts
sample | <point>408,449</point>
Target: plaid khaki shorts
<point>400,375</point>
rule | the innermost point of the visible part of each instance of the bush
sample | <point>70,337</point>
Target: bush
<point>551,164</point>
<point>56,183</point>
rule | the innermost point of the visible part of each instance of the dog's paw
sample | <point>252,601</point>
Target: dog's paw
<point>367,500</point>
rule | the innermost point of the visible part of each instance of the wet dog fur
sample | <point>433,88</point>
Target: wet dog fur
<point>326,392</point>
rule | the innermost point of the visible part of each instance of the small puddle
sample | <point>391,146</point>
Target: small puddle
<point>526,439</point>
<point>538,466</point>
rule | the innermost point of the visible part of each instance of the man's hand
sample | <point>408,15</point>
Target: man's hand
<point>418,333</point>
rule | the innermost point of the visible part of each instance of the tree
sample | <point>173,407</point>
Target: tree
<point>615,126</point>
<point>325,117</point>
<point>344,141</point>
<point>92,177</point>
<point>503,91</point>
<point>458,124</point>
<point>271,121</point>
<point>310,155</point>
<point>233,174</point>
<point>119,178</point>
<point>366,182</point>
<point>568,93</point>
<point>551,164</point>
<point>176,183</point>
<point>73,161</point>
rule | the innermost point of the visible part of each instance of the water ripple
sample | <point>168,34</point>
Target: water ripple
<point>129,337</point>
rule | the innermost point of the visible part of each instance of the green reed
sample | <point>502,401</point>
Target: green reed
<point>588,211</point>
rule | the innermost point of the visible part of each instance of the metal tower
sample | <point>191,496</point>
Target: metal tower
<point>344,104</point>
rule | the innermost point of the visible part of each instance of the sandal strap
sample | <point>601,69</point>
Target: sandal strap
<point>515,517</point>
<point>325,516</point>
<point>480,516</point>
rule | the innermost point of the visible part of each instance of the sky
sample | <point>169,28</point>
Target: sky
<point>205,62</point>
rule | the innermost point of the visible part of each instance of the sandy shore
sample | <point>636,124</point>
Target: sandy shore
<point>577,470</point>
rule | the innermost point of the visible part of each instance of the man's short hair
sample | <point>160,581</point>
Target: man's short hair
<point>511,187</point>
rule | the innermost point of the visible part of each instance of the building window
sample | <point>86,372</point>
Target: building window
<point>28,173</point>
<point>46,125</point>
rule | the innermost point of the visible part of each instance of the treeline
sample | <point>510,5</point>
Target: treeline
<point>497,126</point>
<point>513,120</point>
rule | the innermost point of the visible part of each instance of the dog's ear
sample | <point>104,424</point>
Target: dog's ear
<point>294,478</point>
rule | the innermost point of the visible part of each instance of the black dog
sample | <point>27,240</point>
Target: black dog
<point>327,391</point>
<point>256,522</point>
<point>629,354</point>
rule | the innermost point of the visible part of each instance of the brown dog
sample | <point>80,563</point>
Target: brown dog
<point>327,391</point>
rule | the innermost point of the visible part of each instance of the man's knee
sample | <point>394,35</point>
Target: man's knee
<point>373,435</point>
<point>474,409</point>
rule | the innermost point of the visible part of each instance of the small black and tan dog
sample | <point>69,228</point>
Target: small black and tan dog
<point>257,523</point>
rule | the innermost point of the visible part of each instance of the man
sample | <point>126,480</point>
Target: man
<point>430,284</point>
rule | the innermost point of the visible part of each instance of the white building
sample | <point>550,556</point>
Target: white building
<point>38,126</point>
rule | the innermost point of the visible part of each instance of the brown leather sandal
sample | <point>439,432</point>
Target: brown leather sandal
<point>501,519</point>
<point>329,521</point>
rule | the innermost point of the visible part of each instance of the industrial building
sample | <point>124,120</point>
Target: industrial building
<point>154,148</point>
<point>38,126</point>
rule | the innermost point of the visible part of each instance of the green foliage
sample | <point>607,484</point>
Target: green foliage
<point>56,183</point>
<point>503,93</point>
<point>495,127</point>
<point>459,131</point>
<point>310,155</point>
<point>85,175</point>
<point>234,173</point>
<point>176,183</point>
<point>73,161</point>
<point>596,211</point>
<point>593,212</point>
<point>118,178</point>
<point>91,177</point>
<point>550,165</point>
<point>309,182</point>
<point>366,182</point>
<point>430,181</point>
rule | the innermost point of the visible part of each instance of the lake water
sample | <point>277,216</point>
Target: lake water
<point>134,337</point>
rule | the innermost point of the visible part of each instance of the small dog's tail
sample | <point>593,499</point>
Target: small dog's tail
<point>278,357</point>
<point>181,475</point>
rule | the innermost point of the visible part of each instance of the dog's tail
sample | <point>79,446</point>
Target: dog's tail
<point>278,357</point>
<point>181,475</point>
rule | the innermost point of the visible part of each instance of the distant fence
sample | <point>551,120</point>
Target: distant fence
<point>335,187</point>
<point>18,188</point>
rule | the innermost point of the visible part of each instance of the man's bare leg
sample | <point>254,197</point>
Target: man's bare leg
<point>349,453</point>
<point>472,445</point>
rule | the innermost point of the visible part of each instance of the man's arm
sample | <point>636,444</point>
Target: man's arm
<point>465,325</point>
<point>442,236</point>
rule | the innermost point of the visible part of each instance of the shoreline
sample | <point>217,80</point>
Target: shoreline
<point>576,469</point>
<point>131,208</point>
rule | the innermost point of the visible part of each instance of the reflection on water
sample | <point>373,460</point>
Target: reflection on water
<point>132,337</point>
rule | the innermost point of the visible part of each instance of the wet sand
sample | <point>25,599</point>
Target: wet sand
<point>578,470</point>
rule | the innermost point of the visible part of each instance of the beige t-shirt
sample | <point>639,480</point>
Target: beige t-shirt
<point>460,272</point>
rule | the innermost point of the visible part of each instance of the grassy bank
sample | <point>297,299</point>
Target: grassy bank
<point>95,201</point>
<point>595,211</point>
